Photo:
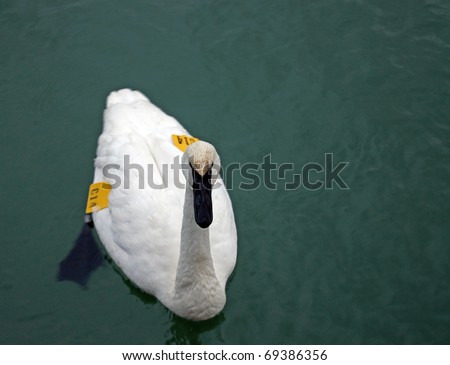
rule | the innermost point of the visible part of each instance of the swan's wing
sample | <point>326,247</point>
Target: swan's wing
<point>138,132</point>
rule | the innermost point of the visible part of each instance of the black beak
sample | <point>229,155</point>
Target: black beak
<point>202,198</point>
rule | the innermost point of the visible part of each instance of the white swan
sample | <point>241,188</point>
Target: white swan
<point>155,235</point>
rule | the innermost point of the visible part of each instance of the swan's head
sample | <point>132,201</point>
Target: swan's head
<point>203,168</point>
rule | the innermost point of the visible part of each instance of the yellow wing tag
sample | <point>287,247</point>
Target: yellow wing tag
<point>182,142</point>
<point>98,197</point>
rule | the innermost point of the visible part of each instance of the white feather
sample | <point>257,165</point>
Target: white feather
<point>141,228</point>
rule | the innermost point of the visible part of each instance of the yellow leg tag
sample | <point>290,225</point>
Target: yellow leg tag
<point>182,142</point>
<point>98,197</point>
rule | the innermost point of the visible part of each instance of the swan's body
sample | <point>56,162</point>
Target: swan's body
<point>151,233</point>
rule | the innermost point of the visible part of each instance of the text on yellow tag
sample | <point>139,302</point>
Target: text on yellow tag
<point>98,197</point>
<point>182,142</point>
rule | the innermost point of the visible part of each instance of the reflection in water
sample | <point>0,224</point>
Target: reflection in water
<point>184,332</point>
<point>181,331</point>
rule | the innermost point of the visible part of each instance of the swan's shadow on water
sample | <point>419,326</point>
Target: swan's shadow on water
<point>82,260</point>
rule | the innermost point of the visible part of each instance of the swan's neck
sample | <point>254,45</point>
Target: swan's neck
<point>196,284</point>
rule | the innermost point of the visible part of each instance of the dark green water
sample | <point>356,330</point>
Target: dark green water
<point>366,81</point>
